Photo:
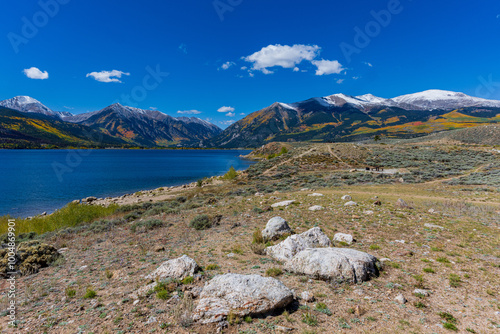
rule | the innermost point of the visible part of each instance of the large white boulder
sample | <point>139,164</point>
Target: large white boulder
<point>275,228</point>
<point>341,264</point>
<point>286,249</point>
<point>177,268</point>
<point>242,295</point>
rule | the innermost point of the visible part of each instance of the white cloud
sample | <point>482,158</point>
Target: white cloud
<point>230,114</point>
<point>153,108</point>
<point>244,68</point>
<point>228,122</point>
<point>355,78</point>
<point>225,109</point>
<point>368,64</point>
<point>69,108</point>
<point>296,69</point>
<point>107,76</point>
<point>35,73</point>
<point>339,81</point>
<point>189,112</point>
<point>281,55</point>
<point>227,65</point>
<point>326,67</point>
<point>183,48</point>
<point>242,114</point>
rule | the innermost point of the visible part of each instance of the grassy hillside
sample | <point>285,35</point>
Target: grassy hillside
<point>29,130</point>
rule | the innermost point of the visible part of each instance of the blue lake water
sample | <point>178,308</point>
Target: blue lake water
<point>33,181</point>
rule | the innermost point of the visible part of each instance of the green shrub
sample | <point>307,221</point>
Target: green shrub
<point>187,280</point>
<point>309,319</point>
<point>70,292</point>
<point>163,295</point>
<point>201,222</point>
<point>321,307</point>
<point>374,247</point>
<point>212,266</point>
<point>146,225</point>
<point>231,174</point>
<point>89,294</point>
<point>257,237</point>
<point>454,280</point>
<point>273,272</point>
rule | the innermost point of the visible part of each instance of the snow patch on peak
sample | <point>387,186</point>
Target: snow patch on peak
<point>288,106</point>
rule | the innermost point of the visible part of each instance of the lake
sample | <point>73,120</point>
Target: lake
<point>33,181</point>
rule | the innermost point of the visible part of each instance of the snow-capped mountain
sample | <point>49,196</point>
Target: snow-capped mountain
<point>29,104</point>
<point>427,100</point>
<point>442,99</point>
<point>341,117</point>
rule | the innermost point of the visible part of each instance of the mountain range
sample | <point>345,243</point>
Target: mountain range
<point>25,122</point>
<point>128,126</point>
<point>341,117</point>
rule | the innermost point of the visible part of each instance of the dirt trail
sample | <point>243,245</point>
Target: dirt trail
<point>458,176</point>
<point>287,161</point>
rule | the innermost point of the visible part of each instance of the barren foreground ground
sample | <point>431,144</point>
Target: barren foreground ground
<point>454,189</point>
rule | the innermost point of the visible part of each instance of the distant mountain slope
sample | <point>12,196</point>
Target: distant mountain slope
<point>341,117</point>
<point>147,127</point>
<point>35,130</point>
<point>29,104</point>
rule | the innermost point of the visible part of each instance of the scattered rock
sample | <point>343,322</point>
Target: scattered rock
<point>283,203</point>
<point>346,198</point>
<point>316,194</point>
<point>421,292</point>
<point>89,199</point>
<point>377,203</point>
<point>400,203</point>
<point>316,208</point>
<point>259,194</point>
<point>343,237</point>
<point>231,255</point>
<point>400,241</point>
<point>275,228</point>
<point>368,212</point>
<point>177,268</point>
<point>432,211</point>
<point>400,299</point>
<point>286,249</point>
<point>350,203</point>
<point>340,264</point>
<point>307,296</point>
<point>159,248</point>
<point>241,294</point>
<point>76,201</point>
<point>151,320</point>
<point>283,329</point>
<point>433,226</point>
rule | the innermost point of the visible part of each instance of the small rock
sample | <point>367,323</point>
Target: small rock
<point>385,259</point>
<point>343,237</point>
<point>346,198</point>
<point>307,296</point>
<point>351,203</point>
<point>432,211</point>
<point>275,228</point>
<point>400,203</point>
<point>316,194</point>
<point>231,255</point>
<point>400,241</point>
<point>283,329</point>
<point>377,203</point>
<point>159,248</point>
<point>151,320</point>
<point>400,299</point>
<point>421,292</point>
<point>433,226</point>
<point>283,203</point>
<point>368,212</point>
<point>316,208</point>
<point>136,302</point>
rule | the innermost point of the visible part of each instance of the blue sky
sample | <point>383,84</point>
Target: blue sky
<point>242,55</point>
